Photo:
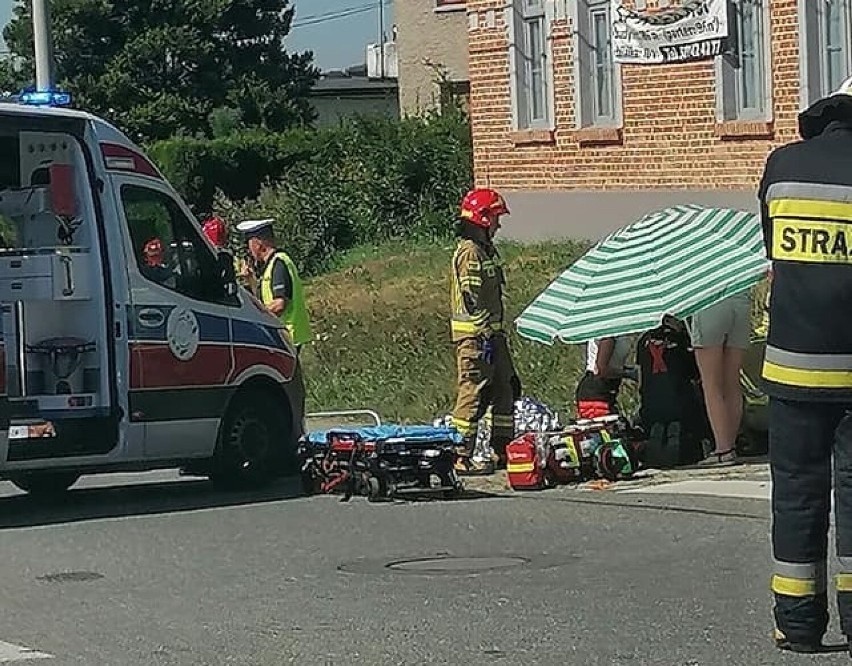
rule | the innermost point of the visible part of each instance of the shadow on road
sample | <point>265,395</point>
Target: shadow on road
<point>426,497</point>
<point>134,500</point>
<point>143,499</point>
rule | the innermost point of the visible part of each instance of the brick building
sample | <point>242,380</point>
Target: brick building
<point>581,144</point>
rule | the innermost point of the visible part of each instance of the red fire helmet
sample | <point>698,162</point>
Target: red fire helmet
<point>482,206</point>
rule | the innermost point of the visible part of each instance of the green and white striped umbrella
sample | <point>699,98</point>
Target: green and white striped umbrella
<point>677,261</point>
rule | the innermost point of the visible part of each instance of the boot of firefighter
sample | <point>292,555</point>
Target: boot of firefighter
<point>801,607</point>
<point>782,643</point>
<point>844,598</point>
<point>502,433</point>
<point>843,523</point>
<point>465,464</point>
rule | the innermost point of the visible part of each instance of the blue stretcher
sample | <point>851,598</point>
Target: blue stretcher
<point>421,434</point>
<point>385,461</point>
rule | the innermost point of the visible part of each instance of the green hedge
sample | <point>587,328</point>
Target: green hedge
<point>237,165</point>
<point>368,180</point>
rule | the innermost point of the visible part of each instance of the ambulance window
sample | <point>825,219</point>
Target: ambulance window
<point>168,249</point>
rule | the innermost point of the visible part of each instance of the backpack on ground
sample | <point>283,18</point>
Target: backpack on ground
<point>672,411</point>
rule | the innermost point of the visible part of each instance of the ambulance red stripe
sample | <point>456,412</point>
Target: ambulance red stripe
<point>154,366</point>
<point>246,357</point>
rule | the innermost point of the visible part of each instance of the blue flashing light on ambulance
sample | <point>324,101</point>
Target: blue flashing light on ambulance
<point>116,358</point>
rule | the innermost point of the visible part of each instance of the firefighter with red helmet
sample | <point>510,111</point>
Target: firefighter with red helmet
<point>216,231</point>
<point>154,263</point>
<point>486,374</point>
<point>154,253</point>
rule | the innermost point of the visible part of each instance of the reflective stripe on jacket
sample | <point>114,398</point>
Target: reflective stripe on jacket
<point>807,225</point>
<point>476,293</point>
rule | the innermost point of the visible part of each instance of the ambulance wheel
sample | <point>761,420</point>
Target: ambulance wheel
<point>249,450</point>
<point>45,484</point>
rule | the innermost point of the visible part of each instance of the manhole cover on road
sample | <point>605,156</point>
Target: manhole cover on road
<point>70,577</point>
<point>456,564</point>
<point>442,564</point>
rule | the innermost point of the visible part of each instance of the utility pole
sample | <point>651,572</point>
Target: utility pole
<point>43,45</point>
<point>382,39</point>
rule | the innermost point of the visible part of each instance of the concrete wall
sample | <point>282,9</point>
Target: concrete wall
<point>591,215</point>
<point>426,32</point>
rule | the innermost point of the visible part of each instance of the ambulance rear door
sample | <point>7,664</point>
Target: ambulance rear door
<point>60,367</point>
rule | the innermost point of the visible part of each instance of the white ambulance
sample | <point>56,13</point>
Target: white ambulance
<point>126,343</point>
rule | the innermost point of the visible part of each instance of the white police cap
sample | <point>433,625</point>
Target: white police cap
<point>250,227</point>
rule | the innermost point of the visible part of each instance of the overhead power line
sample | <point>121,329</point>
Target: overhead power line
<point>346,12</point>
<point>334,12</point>
<point>332,17</point>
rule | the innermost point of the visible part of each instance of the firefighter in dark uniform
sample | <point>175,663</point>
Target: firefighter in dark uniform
<point>806,205</point>
<point>486,375</point>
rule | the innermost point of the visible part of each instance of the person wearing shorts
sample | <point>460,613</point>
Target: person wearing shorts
<point>720,336</point>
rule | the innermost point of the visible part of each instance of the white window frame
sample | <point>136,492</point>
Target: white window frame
<point>729,91</point>
<point>450,6</point>
<point>813,63</point>
<point>519,14</point>
<point>586,115</point>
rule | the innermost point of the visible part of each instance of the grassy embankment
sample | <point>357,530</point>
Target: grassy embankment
<point>383,336</point>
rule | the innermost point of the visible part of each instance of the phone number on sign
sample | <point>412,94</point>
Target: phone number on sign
<point>709,48</point>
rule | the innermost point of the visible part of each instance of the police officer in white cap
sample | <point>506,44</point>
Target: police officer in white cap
<point>806,199</point>
<point>278,284</point>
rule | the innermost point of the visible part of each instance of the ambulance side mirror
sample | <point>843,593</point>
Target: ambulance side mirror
<point>229,274</point>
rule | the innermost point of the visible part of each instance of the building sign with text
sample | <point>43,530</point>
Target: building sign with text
<point>696,30</point>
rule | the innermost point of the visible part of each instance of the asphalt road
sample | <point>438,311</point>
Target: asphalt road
<point>158,571</point>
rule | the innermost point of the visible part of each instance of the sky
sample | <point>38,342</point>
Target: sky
<point>336,42</point>
<point>5,15</point>
<point>337,31</point>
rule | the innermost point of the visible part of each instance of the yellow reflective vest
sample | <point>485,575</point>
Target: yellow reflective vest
<point>295,315</point>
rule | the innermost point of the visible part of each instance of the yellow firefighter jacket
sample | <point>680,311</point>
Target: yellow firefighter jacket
<point>476,292</point>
